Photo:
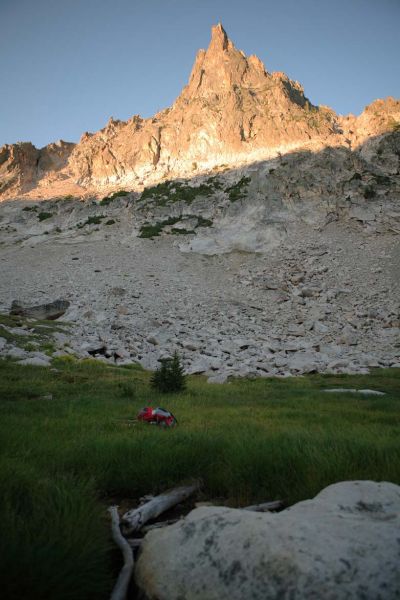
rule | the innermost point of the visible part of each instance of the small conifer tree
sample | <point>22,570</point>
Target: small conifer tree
<point>169,377</point>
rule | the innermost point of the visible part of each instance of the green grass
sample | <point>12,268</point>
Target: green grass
<point>63,460</point>
<point>40,332</point>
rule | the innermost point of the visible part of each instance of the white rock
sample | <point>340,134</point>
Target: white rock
<point>122,353</point>
<point>354,391</point>
<point>189,345</point>
<point>341,363</point>
<point>218,378</point>
<point>296,330</point>
<point>60,353</point>
<point>16,353</point>
<point>303,362</point>
<point>35,361</point>
<point>319,327</point>
<point>280,361</point>
<point>343,544</point>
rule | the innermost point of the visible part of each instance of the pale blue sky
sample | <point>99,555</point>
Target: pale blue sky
<point>68,65</point>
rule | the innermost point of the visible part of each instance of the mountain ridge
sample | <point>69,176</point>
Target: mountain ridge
<point>231,112</point>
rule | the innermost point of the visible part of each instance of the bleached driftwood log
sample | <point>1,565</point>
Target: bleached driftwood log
<point>121,587</point>
<point>265,507</point>
<point>133,520</point>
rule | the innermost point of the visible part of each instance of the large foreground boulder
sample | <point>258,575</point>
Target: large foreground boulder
<point>343,544</point>
<point>50,311</point>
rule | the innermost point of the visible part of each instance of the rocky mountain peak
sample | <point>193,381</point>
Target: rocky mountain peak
<point>219,39</point>
<point>221,67</point>
<point>231,112</point>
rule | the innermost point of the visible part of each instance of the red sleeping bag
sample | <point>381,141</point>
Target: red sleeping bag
<point>157,416</point>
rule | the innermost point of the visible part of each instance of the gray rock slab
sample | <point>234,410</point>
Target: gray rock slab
<point>343,544</point>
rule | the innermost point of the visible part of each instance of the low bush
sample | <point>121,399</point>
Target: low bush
<point>237,191</point>
<point>94,220</point>
<point>153,230</point>
<point>369,192</point>
<point>170,192</point>
<point>42,216</point>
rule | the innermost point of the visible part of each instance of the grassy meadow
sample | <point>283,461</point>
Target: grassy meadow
<point>69,448</point>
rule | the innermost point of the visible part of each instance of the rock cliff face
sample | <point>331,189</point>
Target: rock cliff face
<point>232,112</point>
<point>22,166</point>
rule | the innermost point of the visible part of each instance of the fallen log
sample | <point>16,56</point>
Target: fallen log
<point>121,587</point>
<point>265,507</point>
<point>133,520</point>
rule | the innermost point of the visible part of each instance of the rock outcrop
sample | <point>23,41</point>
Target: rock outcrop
<point>50,311</point>
<point>22,166</point>
<point>342,544</point>
<point>232,112</point>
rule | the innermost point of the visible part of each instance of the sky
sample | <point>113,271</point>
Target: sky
<point>68,65</point>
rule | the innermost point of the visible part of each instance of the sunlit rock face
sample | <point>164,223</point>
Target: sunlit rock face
<point>22,167</point>
<point>232,112</point>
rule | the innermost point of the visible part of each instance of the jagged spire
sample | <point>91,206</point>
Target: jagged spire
<point>219,38</point>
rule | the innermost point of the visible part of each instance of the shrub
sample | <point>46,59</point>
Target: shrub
<point>369,192</point>
<point>236,191</point>
<point>170,192</point>
<point>149,231</point>
<point>42,216</point>
<point>382,180</point>
<point>169,377</point>
<point>95,220</point>
<point>202,222</point>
